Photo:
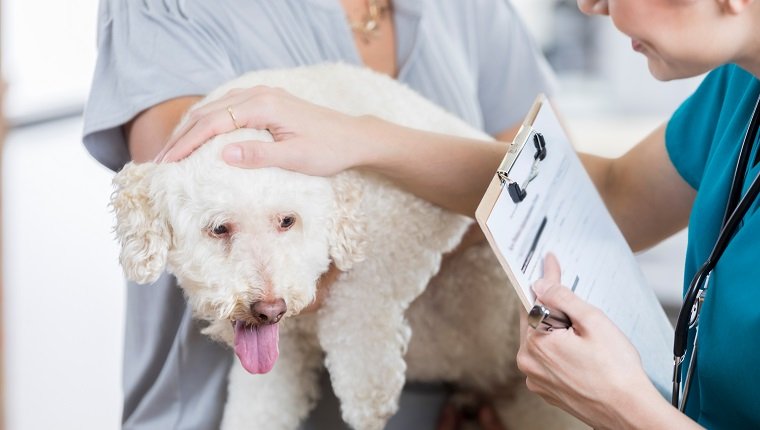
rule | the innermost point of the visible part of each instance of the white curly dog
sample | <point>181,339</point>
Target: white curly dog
<point>248,247</point>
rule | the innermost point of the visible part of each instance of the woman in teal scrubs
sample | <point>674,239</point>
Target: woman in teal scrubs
<point>679,175</point>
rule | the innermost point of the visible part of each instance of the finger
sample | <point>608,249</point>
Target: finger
<point>526,362</point>
<point>185,125</point>
<point>234,97</point>
<point>229,100</point>
<point>586,5</point>
<point>563,299</point>
<point>593,7</point>
<point>210,125</point>
<point>601,7</point>
<point>545,390</point>
<point>488,419</point>
<point>449,418</point>
<point>239,107</point>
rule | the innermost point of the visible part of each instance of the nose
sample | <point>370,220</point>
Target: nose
<point>268,311</point>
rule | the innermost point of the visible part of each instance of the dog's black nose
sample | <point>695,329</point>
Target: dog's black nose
<point>268,312</point>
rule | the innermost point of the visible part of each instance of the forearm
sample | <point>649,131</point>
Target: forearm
<point>449,171</point>
<point>146,134</point>
<point>646,196</point>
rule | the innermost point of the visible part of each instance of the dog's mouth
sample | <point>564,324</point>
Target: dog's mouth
<point>256,346</point>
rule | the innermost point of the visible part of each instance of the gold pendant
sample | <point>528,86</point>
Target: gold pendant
<point>369,26</point>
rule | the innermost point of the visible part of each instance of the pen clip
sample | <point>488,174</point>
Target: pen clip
<point>544,319</point>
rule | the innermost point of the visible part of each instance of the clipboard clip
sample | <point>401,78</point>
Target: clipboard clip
<point>516,192</point>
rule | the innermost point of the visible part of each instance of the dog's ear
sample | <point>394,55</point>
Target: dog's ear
<point>143,232</point>
<point>348,235</point>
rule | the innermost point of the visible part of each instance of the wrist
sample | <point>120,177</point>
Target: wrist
<point>643,407</point>
<point>375,141</point>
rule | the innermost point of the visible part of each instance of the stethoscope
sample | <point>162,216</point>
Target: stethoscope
<point>688,317</point>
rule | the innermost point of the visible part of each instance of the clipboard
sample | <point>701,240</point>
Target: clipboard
<point>528,142</point>
<point>541,200</point>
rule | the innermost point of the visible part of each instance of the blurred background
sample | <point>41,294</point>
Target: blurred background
<point>61,286</point>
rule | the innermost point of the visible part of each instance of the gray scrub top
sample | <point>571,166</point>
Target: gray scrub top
<point>473,57</point>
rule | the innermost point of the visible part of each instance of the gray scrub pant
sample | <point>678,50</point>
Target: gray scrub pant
<point>176,378</point>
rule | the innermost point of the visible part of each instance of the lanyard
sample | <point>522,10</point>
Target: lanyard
<point>736,208</point>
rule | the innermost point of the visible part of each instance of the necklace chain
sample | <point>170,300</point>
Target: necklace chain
<point>369,26</point>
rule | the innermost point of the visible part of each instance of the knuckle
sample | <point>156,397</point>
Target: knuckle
<point>195,115</point>
<point>525,362</point>
<point>258,90</point>
<point>205,123</point>
<point>521,360</point>
<point>280,91</point>
<point>550,400</point>
<point>557,293</point>
<point>268,98</point>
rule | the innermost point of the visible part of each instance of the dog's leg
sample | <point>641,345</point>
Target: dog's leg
<point>361,326</point>
<point>364,355</point>
<point>280,399</point>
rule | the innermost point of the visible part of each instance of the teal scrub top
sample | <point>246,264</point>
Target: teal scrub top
<point>703,139</point>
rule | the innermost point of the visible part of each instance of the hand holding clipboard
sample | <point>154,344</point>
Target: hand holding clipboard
<point>562,213</point>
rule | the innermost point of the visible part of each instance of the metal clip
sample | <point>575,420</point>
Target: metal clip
<point>518,193</point>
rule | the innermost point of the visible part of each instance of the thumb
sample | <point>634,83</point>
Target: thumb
<point>563,299</point>
<point>552,270</point>
<point>552,275</point>
<point>256,154</point>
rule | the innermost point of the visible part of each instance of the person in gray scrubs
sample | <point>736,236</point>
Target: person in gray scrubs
<point>157,57</point>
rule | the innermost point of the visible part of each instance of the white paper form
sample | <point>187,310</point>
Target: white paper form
<point>563,213</point>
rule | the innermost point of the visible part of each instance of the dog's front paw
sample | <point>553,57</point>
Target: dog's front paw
<point>370,410</point>
<point>367,381</point>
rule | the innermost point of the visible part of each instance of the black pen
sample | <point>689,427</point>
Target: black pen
<point>534,245</point>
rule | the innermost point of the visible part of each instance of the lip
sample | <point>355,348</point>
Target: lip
<point>637,45</point>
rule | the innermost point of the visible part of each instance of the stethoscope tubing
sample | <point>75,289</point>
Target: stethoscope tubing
<point>736,209</point>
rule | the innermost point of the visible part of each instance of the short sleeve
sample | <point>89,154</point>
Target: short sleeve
<point>150,51</point>
<point>692,128</point>
<point>512,70</point>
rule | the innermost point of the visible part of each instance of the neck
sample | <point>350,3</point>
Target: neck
<point>750,60</point>
<point>749,57</point>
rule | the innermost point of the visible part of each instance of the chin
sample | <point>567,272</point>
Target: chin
<point>671,70</point>
<point>664,72</point>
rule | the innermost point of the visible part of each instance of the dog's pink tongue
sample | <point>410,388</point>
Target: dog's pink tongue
<point>256,346</point>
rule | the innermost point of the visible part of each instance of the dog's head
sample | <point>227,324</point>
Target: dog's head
<point>247,246</point>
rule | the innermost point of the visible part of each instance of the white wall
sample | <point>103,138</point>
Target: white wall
<point>63,290</point>
<point>48,54</point>
<point>63,304</point>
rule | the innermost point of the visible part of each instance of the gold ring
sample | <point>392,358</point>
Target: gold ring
<point>232,115</point>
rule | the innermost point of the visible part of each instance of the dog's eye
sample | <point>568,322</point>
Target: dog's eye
<point>286,222</point>
<point>220,230</point>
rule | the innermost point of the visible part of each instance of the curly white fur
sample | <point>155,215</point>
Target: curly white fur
<point>388,242</point>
